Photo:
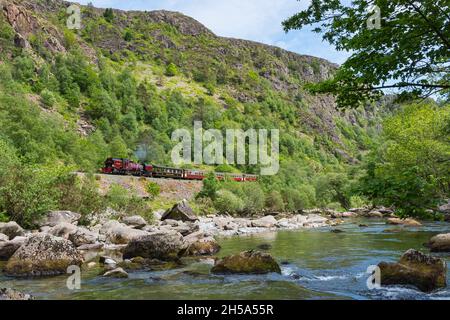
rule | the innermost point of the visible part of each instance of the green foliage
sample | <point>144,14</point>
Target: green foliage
<point>227,202</point>
<point>108,14</point>
<point>210,187</point>
<point>153,188</point>
<point>410,170</point>
<point>171,70</point>
<point>124,201</point>
<point>274,201</point>
<point>48,98</point>
<point>381,58</point>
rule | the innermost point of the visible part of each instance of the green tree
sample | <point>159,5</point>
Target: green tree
<point>108,14</point>
<point>210,187</point>
<point>409,52</point>
<point>118,148</point>
<point>410,169</point>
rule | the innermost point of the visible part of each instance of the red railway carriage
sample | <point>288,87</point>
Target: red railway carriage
<point>194,175</point>
<point>122,166</point>
<point>250,177</point>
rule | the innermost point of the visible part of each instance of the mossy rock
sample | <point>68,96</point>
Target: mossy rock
<point>247,262</point>
<point>203,247</point>
<point>425,272</point>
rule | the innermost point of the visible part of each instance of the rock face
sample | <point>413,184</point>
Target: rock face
<point>156,245</point>
<point>54,218</point>
<point>425,272</point>
<point>440,243</point>
<point>42,255</point>
<point>248,262</point>
<point>7,248</point>
<point>11,229</point>
<point>135,222</point>
<point>11,294</point>
<point>181,211</point>
<point>406,222</point>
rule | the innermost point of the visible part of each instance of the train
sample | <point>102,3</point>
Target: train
<point>121,166</point>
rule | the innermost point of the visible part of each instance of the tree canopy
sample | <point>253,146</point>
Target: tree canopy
<point>408,51</point>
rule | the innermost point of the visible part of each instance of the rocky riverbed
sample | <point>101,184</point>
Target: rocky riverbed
<point>117,248</point>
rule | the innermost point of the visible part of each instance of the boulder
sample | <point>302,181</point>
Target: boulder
<point>116,273</point>
<point>203,247</point>
<point>264,222</point>
<point>11,229</point>
<point>406,222</point>
<point>445,208</point>
<point>375,214</point>
<point>11,294</point>
<point>54,218</point>
<point>136,222</point>
<point>118,233</point>
<point>7,248</point>
<point>440,243</point>
<point>62,230</point>
<point>3,237</point>
<point>83,236</point>
<point>187,228</point>
<point>181,211</point>
<point>43,255</point>
<point>425,272</point>
<point>248,262</point>
<point>158,245</point>
<point>315,219</point>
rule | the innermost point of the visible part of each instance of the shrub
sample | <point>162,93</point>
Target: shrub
<point>274,201</point>
<point>227,202</point>
<point>153,188</point>
<point>48,98</point>
<point>210,187</point>
<point>171,70</point>
<point>253,197</point>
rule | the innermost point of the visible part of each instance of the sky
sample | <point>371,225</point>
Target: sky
<point>257,20</point>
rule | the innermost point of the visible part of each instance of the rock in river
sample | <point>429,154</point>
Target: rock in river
<point>406,222</point>
<point>264,222</point>
<point>440,243</point>
<point>248,262</point>
<point>181,211</point>
<point>42,255</point>
<point>11,294</point>
<point>203,247</point>
<point>167,245</point>
<point>116,273</point>
<point>425,272</point>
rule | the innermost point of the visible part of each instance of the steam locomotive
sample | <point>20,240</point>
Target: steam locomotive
<point>121,166</point>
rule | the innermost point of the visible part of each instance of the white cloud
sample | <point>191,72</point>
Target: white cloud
<point>257,20</point>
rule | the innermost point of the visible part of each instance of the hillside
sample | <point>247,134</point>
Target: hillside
<point>123,83</point>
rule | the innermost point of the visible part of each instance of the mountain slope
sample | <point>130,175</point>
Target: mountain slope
<point>126,80</point>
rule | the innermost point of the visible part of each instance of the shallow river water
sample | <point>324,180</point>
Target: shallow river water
<point>316,264</point>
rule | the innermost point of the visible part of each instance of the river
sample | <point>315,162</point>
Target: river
<point>316,264</point>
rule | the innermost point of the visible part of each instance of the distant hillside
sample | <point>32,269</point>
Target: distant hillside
<point>128,79</point>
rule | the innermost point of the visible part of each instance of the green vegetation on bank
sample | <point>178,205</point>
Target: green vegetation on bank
<point>135,93</point>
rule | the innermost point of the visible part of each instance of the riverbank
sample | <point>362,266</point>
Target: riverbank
<point>315,264</point>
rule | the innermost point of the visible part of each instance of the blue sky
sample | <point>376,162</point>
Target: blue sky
<point>257,20</point>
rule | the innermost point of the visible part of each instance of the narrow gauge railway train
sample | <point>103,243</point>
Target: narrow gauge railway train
<point>128,167</point>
